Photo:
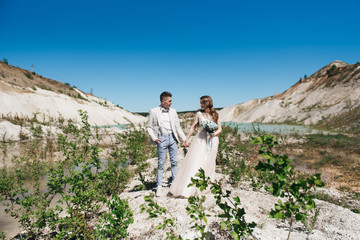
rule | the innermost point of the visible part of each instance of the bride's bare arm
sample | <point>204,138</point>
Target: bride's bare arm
<point>218,131</point>
<point>191,131</point>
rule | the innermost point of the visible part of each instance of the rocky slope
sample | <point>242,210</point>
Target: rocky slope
<point>24,93</point>
<point>330,91</point>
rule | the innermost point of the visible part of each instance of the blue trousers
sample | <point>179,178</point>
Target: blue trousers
<point>167,142</point>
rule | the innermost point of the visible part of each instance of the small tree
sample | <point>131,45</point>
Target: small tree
<point>5,61</point>
<point>116,221</point>
<point>297,193</point>
<point>233,214</point>
<point>137,150</point>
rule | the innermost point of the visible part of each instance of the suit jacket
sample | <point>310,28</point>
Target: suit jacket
<point>153,126</point>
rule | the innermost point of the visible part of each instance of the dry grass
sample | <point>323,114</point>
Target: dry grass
<point>24,79</point>
<point>337,158</point>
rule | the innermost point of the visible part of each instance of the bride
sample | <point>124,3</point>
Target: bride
<point>202,152</point>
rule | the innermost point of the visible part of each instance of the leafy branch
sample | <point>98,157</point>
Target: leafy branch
<point>154,210</point>
<point>297,193</point>
<point>233,214</point>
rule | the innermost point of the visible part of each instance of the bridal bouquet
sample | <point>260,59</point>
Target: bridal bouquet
<point>210,126</point>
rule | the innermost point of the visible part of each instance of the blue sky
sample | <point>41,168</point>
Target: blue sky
<point>128,52</point>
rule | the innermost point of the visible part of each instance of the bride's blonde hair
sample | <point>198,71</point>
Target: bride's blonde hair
<point>209,107</point>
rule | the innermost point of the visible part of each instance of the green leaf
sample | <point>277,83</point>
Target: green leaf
<point>160,226</point>
<point>276,189</point>
<point>277,215</point>
<point>223,225</point>
<point>310,205</point>
<point>319,183</point>
<point>280,177</point>
<point>278,207</point>
<point>300,217</point>
<point>234,235</point>
<point>237,199</point>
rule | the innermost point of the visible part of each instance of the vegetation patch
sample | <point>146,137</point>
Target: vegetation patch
<point>28,75</point>
<point>347,122</point>
<point>340,141</point>
<point>90,173</point>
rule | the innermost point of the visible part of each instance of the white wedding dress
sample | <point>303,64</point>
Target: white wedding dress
<point>201,154</point>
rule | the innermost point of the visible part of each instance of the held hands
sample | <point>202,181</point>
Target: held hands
<point>186,143</point>
<point>157,141</point>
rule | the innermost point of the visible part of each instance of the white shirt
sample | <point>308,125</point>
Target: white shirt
<point>165,121</point>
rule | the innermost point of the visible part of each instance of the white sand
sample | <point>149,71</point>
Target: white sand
<point>333,222</point>
<point>15,101</point>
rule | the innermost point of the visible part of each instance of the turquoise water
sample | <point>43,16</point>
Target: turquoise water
<point>121,126</point>
<point>249,127</point>
<point>271,128</point>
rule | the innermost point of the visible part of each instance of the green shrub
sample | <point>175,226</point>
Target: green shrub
<point>230,155</point>
<point>115,222</point>
<point>233,214</point>
<point>28,75</point>
<point>80,180</point>
<point>137,150</point>
<point>297,194</point>
<point>196,210</point>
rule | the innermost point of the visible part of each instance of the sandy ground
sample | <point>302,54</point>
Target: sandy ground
<point>333,222</point>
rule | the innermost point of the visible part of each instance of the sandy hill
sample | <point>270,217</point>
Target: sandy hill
<point>24,93</point>
<point>330,91</point>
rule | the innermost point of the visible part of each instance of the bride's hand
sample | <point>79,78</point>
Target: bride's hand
<point>211,135</point>
<point>186,144</point>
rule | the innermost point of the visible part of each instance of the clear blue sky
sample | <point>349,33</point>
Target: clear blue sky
<point>129,51</point>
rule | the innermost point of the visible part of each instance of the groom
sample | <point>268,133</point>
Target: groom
<point>164,129</point>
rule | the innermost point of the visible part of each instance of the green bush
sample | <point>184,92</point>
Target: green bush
<point>230,155</point>
<point>233,214</point>
<point>137,150</point>
<point>297,194</point>
<point>28,75</point>
<point>82,181</point>
<point>115,222</point>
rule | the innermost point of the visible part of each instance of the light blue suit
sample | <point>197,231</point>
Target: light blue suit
<point>168,141</point>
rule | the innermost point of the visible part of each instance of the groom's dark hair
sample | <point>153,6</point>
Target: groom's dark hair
<point>165,95</point>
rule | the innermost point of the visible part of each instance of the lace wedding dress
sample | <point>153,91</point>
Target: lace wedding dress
<point>201,154</point>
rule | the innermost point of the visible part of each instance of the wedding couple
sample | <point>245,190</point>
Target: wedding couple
<point>164,129</point>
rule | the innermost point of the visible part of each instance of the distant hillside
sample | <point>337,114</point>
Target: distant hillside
<point>331,91</point>
<point>24,93</point>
